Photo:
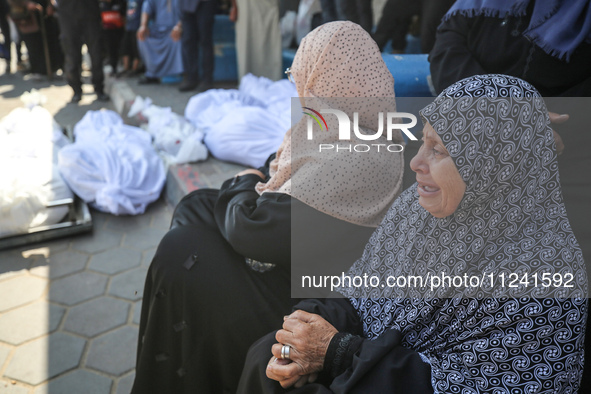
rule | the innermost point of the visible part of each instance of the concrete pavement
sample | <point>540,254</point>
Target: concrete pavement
<point>69,308</point>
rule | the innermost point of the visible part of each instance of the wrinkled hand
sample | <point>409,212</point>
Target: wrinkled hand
<point>142,33</point>
<point>176,33</point>
<point>308,335</point>
<point>296,381</point>
<point>251,171</point>
<point>558,119</point>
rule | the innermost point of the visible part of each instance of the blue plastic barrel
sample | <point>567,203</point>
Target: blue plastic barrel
<point>224,46</point>
<point>410,73</point>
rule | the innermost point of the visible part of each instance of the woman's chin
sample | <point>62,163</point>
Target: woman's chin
<point>434,209</point>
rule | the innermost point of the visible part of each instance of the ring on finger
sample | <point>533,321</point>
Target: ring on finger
<point>285,350</point>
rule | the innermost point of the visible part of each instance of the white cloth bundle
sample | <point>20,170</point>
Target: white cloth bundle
<point>29,142</point>
<point>111,165</point>
<point>177,140</point>
<point>246,125</point>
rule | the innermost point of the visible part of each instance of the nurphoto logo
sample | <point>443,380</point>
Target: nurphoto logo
<point>393,120</point>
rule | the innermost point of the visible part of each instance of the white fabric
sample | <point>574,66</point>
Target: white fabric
<point>246,125</point>
<point>288,28</point>
<point>258,39</point>
<point>306,11</point>
<point>176,139</point>
<point>29,142</point>
<point>112,165</point>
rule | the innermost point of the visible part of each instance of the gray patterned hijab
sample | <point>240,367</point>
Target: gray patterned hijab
<point>511,220</point>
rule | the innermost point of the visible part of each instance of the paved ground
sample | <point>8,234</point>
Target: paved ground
<point>69,308</point>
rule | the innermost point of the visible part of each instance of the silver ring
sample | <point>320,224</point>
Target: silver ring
<point>285,349</point>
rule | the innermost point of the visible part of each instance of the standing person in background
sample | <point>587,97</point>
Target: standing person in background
<point>258,39</point>
<point>39,30</point>
<point>160,43</point>
<point>360,12</point>
<point>357,11</point>
<point>113,17</point>
<point>333,10</point>
<point>396,19</point>
<point>197,21</point>
<point>129,49</point>
<point>5,29</point>
<point>80,23</point>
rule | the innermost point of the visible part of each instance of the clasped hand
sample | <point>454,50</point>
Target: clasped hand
<point>308,335</point>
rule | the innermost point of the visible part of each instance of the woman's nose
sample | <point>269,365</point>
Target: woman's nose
<point>418,164</point>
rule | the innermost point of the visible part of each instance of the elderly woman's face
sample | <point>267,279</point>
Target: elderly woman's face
<point>441,187</point>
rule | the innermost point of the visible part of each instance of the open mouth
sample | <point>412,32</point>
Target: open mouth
<point>427,190</point>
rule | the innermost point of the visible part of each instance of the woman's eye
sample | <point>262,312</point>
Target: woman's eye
<point>437,152</point>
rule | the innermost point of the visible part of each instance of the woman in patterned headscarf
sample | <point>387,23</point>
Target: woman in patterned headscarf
<point>487,206</point>
<point>220,278</point>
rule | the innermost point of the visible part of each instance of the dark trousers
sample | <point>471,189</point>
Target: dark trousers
<point>112,42</point>
<point>198,34</point>
<point>5,28</point>
<point>79,29</point>
<point>396,18</point>
<point>358,11</point>
<point>333,10</point>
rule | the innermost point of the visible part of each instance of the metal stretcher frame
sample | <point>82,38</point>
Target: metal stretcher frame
<point>76,221</point>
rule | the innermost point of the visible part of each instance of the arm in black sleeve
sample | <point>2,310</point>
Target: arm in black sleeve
<point>451,58</point>
<point>256,226</point>
<point>340,313</point>
<point>265,168</point>
<point>360,365</point>
<point>380,365</point>
<point>337,311</point>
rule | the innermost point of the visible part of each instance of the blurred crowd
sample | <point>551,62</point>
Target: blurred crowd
<point>157,39</point>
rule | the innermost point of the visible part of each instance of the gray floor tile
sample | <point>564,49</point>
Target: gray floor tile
<point>53,246</point>
<point>147,256</point>
<point>161,217</point>
<point>12,274</point>
<point>77,288</point>
<point>29,322</point>
<point>8,387</point>
<point>4,352</point>
<point>127,223</point>
<point>44,358</point>
<point>97,316</point>
<point>60,264</point>
<point>99,219</point>
<point>144,238</point>
<point>137,312</point>
<point>97,241</point>
<point>79,381</point>
<point>129,285</point>
<point>12,263</point>
<point>125,384</point>
<point>115,260</point>
<point>114,352</point>
<point>20,290</point>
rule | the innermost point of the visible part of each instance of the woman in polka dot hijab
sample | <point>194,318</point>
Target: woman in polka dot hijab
<point>339,66</point>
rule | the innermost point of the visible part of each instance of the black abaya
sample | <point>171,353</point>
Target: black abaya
<point>203,305</point>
